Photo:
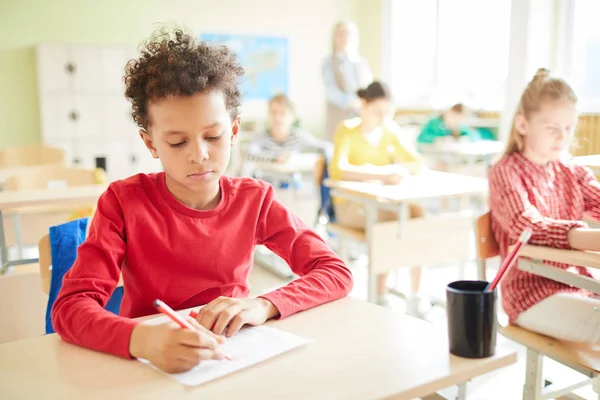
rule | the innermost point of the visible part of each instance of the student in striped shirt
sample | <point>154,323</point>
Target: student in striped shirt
<point>282,139</point>
<point>535,186</point>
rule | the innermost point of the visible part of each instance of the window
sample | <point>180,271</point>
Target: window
<point>448,51</point>
<point>585,58</point>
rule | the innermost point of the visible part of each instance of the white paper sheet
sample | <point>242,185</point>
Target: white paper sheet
<point>249,346</point>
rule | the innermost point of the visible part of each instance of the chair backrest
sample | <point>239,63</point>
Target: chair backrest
<point>58,252</point>
<point>31,155</point>
<point>486,245</point>
<point>321,174</point>
<point>45,262</point>
<point>54,176</point>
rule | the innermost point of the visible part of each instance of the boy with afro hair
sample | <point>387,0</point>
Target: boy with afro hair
<point>186,235</point>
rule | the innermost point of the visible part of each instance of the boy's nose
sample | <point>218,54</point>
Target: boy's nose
<point>199,152</point>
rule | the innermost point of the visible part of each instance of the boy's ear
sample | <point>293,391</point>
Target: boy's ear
<point>149,143</point>
<point>521,124</point>
<point>235,130</point>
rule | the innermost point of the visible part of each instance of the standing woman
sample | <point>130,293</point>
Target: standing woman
<point>344,72</point>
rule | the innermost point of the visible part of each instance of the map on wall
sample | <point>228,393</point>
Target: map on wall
<point>265,62</point>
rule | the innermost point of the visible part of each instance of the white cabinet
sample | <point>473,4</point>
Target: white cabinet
<point>86,64</point>
<point>117,119</point>
<point>113,68</point>
<point>52,64</point>
<point>56,116</point>
<point>83,109</point>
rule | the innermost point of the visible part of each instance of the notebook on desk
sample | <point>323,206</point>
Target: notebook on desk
<point>250,346</point>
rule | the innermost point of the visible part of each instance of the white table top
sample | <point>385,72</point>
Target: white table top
<point>48,197</point>
<point>361,351</point>
<point>296,163</point>
<point>427,185</point>
<point>462,148</point>
<point>591,161</point>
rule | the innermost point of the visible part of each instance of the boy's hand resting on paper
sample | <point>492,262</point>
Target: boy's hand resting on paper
<point>173,349</point>
<point>226,315</point>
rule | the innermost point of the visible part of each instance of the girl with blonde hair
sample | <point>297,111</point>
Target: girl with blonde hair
<point>536,186</point>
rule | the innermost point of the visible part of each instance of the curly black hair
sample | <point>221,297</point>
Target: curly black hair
<point>172,63</point>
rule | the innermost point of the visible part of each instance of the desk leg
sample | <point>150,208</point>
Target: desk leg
<point>3,249</point>
<point>596,386</point>
<point>371,219</point>
<point>462,391</point>
<point>18,229</point>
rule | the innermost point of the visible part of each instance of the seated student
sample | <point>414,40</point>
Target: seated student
<point>535,186</point>
<point>187,235</point>
<point>282,139</point>
<point>366,148</point>
<point>449,125</point>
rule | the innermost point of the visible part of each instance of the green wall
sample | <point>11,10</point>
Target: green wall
<point>25,23</point>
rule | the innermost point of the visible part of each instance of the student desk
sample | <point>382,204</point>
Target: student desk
<point>282,173</point>
<point>411,242</point>
<point>20,200</point>
<point>361,351</point>
<point>591,161</point>
<point>537,254</point>
<point>459,151</point>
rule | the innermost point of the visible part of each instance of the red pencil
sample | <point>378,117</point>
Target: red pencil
<point>168,311</point>
<point>508,261</point>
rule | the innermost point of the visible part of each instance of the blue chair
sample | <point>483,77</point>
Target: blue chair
<point>64,240</point>
<point>326,208</point>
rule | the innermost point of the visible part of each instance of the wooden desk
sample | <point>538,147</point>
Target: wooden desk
<point>461,151</point>
<point>591,161</point>
<point>536,255</point>
<point>75,196</point>
<point>297,163</point>
<point>427,185</point>
<point>281,173</point>
<point>361,351</point>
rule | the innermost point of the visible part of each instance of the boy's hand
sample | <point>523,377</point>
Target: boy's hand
<point>173,349</point>
<point>225,315</point>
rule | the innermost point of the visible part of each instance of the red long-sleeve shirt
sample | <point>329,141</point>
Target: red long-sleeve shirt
<point>186,258</point>
<point>550,199</point>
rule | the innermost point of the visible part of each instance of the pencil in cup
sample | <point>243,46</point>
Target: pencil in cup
<point>168,311</point>
<point>509,260</point>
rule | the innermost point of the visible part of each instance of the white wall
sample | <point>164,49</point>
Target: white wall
<point>533,44</point>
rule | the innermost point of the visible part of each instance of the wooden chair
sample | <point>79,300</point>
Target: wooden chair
<point>54,176</point>
<point>31,155</point>
<point>580,358</point>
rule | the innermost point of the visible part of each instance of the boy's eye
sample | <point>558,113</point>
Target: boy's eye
<point>212,138</point>
<point>176,144</point>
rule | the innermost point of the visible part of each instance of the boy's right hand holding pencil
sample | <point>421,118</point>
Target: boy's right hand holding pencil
<point>174,349</point>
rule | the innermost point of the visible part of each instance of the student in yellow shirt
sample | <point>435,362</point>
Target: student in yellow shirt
<point>372,147</point>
